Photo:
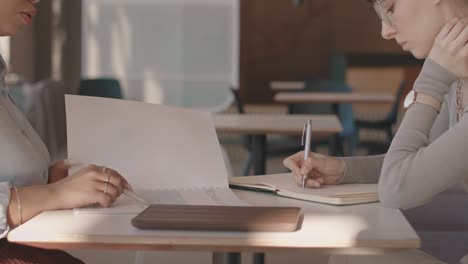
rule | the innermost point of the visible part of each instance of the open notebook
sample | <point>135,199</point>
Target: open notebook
<point>169,155</point>
<point>284,185</point>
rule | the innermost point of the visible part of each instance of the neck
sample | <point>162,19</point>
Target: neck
<point>454,8</point>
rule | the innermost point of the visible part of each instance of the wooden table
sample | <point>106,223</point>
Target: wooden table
<point>287,85</point>
<point>334,98</point>
<point>325,229</point>
<point>260,125</point>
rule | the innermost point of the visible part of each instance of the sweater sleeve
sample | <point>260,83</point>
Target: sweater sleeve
<point>364,169</point>
<point>442,122</point>
<point>367,169</point>
<point>416,169</point>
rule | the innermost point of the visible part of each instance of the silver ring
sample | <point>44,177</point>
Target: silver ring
<point>104,169</point>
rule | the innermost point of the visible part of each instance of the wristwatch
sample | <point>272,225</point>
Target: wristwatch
<point>415,97</point>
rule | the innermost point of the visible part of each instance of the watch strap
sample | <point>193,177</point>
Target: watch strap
<point>423,99</point>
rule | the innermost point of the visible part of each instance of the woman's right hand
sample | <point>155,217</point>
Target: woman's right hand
<point>90,185</point>
<point>450,48</point>
<point>320,169</point>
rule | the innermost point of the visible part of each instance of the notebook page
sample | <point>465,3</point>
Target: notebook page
<point>285,182</point>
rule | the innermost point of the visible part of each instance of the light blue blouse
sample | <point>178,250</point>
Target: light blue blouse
<point>24,159</point>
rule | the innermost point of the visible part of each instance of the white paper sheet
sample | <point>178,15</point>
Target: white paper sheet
<point>153,146</point>
<point>205,196</point>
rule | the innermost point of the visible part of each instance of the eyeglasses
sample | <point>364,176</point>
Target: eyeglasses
<point>385,14</point>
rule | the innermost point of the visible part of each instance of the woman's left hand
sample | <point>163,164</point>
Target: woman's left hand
<point>59,170</point>
<point>450,49</point>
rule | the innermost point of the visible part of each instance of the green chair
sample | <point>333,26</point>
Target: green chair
<point>338,67</point>
<point>101,87</point>
<point>386,125</point>
<point>283,146</point>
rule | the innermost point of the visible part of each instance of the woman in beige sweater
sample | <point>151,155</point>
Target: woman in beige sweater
<point>429,151</point>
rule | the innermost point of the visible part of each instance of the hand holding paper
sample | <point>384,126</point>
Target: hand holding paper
<point>147,151</point>
<point>89,185</point>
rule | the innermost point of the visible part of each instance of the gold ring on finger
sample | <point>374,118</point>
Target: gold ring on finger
<point>107,185</point>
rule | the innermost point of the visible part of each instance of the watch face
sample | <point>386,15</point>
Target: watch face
<point>409,99</point>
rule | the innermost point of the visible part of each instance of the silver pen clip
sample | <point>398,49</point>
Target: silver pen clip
<point>303,135</point>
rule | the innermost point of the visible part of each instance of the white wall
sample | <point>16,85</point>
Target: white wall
<point>177,52</point>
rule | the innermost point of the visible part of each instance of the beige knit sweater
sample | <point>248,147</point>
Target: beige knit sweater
<point>429,152</point>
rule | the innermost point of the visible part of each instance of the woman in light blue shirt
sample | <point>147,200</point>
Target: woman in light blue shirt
<point>28,184</point>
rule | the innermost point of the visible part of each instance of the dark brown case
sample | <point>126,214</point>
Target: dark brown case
<point>218,218</point>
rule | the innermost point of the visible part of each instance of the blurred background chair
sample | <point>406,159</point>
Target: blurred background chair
<point>101,87</point>
<point>246,140</point>
<point>338,66</point>
<point>345,143</point>
<point>282,146</point>
<point>385,125</point>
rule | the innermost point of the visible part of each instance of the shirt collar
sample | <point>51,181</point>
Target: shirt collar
<point>3,71</point>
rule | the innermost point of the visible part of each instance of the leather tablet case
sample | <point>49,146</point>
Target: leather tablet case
<point>218,218</point>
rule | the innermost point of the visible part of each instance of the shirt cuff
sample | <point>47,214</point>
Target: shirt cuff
<point>434,80</point>
<point>5,188</point>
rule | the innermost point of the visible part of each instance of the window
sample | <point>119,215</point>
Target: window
<point>176,52</point>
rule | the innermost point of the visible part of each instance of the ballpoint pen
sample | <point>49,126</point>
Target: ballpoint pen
<point>307,133</point>
<point>136,197</point>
